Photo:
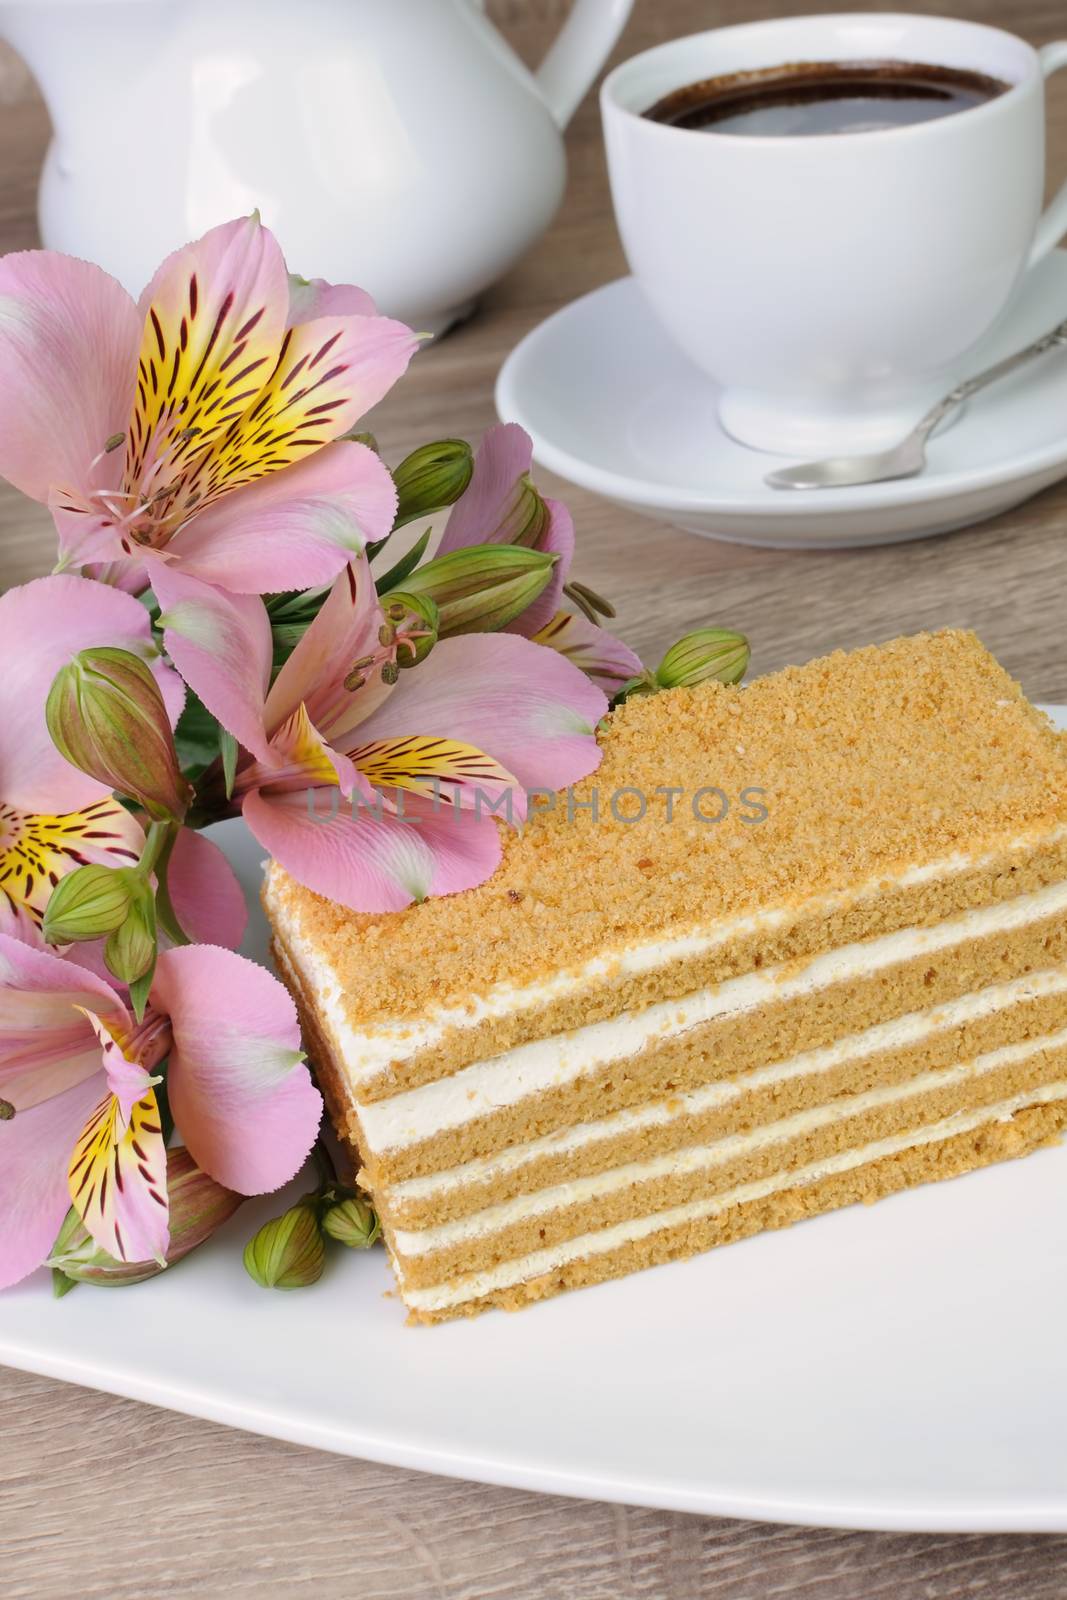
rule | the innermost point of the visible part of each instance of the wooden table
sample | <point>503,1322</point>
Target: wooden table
<point>104,1498</point>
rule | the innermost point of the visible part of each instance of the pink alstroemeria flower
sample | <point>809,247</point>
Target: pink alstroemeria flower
<point>53,817</point>
<point>495,508</point>
<point>409,768</point>
<point>203,425</point>
<point>79,1119</point>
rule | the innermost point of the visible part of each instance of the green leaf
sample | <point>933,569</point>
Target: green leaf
<point>405,566</point>
<point>291,616</point>
<point>297,605</point>
<point>139,991</point>
<point>228,746</point>
<point>287,635</point>
<point>285,638</point>
<point>61,1284</point>
<point>196,737</point>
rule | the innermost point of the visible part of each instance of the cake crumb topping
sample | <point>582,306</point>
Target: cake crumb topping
<point>850,768</point>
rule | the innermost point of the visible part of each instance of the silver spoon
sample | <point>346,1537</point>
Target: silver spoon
<point>907,458</point>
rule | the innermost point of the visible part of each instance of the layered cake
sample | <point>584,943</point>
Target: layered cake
<point>794,945</point>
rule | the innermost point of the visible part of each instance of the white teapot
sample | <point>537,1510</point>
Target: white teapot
<point>397,144</point>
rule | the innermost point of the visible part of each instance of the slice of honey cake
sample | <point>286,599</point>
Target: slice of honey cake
<point>793,945</point>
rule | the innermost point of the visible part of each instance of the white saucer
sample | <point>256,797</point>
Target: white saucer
<point>613,406</point>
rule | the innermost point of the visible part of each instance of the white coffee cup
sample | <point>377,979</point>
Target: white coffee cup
<point>830,283</point>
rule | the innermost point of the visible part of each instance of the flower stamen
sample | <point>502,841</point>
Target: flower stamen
<point>110,444</point>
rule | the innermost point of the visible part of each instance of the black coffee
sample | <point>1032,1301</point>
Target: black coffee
<point>804,98</point>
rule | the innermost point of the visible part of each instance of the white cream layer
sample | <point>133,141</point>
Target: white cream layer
<point>474,1286</point>
<point>899,1034</point>
<point>701,1158</point>
<point>530,1069</point>
<point>368,1051</point>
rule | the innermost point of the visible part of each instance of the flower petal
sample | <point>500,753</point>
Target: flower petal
<point>42,626</point>
<point>481,514</point>
<point>241,1096</point>
<point>294,529</point>
<point>117,1179</point>
<point>439,769</point>
<point>127,1080</point>
<point>68,352</point>
<point>207,898</point>
<point>374,862</point>
<point>221,645</point>
<point>87,534</point>
<point>18,919</point>
<point>300,756</point>
<point>602,657</point>
<point>35,1147</point>
<point>526,706</point>
<point>314,297</point>
<point>213,318</point>
<point>36,851</point>
<point>329,372</point>
<point>344,632</point>
<point>46,1041</point>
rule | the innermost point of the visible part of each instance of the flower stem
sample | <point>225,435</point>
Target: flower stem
<point>154,844</point>
<point>168,918</point>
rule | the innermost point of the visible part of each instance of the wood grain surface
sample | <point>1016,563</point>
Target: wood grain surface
<point>105,1498</point>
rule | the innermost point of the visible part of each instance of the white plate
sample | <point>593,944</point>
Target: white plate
<point>893,1367</point>
<point>612,405</point>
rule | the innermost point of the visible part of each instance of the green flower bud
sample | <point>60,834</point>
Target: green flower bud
<point>707,653</point>
<point>106,716</point>
<point>432,477</point>
<point>130,950</point>
<point>482,588</point>
<point>198,1206</point>
<point>289,1252</point>
<point>352,1222</point>
<point>89,903</point>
